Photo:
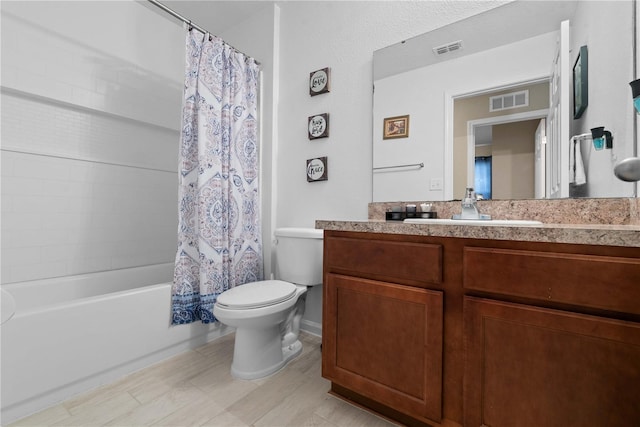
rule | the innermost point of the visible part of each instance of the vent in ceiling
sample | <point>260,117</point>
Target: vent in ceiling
<point>449,47</point>
<point>509,101</point>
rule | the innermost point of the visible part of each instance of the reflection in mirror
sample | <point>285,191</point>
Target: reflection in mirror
<point>502,53</point>
<point>497,142</point>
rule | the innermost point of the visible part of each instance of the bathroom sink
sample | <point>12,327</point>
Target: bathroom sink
<point>489,222</point>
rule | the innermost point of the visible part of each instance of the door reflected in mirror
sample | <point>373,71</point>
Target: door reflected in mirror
<point>500,128</point>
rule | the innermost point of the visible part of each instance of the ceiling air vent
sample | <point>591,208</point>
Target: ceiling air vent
<point>509,101</point>
<point>449,47</point>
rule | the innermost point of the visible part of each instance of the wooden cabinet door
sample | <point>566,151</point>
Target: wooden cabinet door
<point>384,341</point>
<point>529,366</point>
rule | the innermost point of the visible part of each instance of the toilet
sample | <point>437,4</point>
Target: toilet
<point>267,314</point>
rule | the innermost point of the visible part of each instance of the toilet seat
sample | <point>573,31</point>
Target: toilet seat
<point>257,294</point>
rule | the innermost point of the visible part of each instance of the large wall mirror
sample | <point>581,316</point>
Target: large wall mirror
<point>490,101</point>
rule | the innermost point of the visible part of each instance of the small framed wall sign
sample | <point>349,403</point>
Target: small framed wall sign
<point>396,127</point>
<point>319,126</point>
<point>319,81</point>
<point>317,169</point>
<point>580,83</point>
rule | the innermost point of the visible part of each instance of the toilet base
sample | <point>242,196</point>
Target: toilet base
<point>259,353</point>
<point>291,351</point>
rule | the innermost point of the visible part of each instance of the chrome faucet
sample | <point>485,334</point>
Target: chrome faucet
<point>470,207</point>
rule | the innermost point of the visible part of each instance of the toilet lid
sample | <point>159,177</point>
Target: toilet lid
<point>257,294</point>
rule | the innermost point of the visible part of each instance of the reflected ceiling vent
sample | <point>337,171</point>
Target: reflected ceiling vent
<point>508,101</point>
<point>449,47</point>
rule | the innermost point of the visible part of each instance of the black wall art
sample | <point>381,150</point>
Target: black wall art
<point>317,169</point>
<point>318,126</point>
<point>319,81</point>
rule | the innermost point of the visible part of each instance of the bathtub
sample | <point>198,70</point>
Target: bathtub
<point>71,334</point>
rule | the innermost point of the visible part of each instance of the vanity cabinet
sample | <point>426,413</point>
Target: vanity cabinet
<point>479,332</point>
<point>550,367</point>
<point>382,330</point>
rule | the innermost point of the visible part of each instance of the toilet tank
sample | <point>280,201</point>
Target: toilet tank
<point>298,255</point>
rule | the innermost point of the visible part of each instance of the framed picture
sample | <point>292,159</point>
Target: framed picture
<point>580,83</point>
<point>396,127</point>
<point>319,81</point>
<point>318,126</point>
<point>317,169</point>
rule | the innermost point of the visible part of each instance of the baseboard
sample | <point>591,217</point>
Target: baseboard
<point>313,328</point>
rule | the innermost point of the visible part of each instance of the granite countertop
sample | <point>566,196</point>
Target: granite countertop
<point>591,234</point>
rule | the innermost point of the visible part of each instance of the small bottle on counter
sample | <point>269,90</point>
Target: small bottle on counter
<point>427,211</point>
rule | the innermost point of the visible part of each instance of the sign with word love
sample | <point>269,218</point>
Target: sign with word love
<point>319,81</point>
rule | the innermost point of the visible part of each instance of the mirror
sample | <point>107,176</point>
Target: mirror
<point>468,86</point>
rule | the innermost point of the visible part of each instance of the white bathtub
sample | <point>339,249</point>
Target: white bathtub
<point>72,334</point>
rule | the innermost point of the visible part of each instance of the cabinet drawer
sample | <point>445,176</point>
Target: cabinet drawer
<point>419,263</point>
<point>609,283</point>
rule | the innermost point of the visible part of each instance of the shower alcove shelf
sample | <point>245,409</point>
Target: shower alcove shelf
<point>431,329</point>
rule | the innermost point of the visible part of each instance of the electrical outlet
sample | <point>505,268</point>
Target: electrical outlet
<point>435,184</point>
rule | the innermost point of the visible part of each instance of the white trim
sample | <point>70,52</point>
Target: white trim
<point>506,86</point>
<point>449,99</point>
<point>498,120</point>
<point>565,107</point>
<point>268,237</point>
<point>447,188</point>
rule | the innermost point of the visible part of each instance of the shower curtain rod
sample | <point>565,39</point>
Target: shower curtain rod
<point>188,22</point>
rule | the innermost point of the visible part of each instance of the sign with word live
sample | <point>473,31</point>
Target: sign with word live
<point>319,126</point>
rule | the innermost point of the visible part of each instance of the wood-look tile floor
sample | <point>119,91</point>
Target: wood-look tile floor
<point>195,388</point>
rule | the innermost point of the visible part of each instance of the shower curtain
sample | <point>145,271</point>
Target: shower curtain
<point>219,236</point>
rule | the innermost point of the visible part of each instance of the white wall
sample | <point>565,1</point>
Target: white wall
<point>90,115</point>
<point>343,36</point>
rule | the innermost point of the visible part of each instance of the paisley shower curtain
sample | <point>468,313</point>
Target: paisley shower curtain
<point>219,236</point>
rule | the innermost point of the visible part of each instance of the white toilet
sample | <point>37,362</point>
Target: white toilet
<point>267,314</point>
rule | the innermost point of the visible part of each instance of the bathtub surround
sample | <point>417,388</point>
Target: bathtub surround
<point>219,235</point>
<point>80,191</point>
<point>90,131</point>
